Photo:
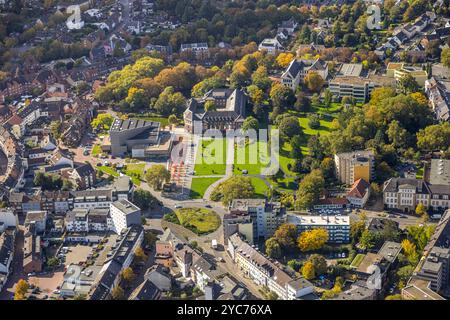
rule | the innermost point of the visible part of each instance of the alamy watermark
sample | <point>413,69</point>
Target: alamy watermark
<point>374,280</point>
<point>74,20</point>
<point>374,18</point>
<point>254,147</point>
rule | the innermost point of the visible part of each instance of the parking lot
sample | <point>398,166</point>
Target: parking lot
<point>77,254</point>
<point>47,282</point>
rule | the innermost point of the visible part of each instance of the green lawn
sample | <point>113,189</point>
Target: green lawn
<point>260,187</point>
<point>199,186</point>
<point>96,150</point>
<point>324,129</point>
<point>251,157</point>
<point>211,157</point>
<point>283,184</point>
<point>108,170</point>
<point>357,261</point>
<point>198,220</point>
<point>135,171</point>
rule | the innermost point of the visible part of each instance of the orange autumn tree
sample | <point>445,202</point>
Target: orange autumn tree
<point>312,239</point>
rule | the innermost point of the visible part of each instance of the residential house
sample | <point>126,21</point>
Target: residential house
<point>438,93</point>
<point>405,194</point>
<point>84,176</point>
<point>265,272</point>
<point>38,219</point>
<point>32,250</point>
<point>271,45</point>
<point>359,193</point>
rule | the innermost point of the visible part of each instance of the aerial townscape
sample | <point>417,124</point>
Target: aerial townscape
<point>225,150</point>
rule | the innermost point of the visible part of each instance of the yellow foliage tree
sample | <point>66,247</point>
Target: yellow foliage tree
<point>284,59</point>
<point>128,275</point>
<point>140,254</point>
<point>420,209</point>
<point>312,239</point>
<point>21,289</point>
<point>410,249</point>
<point>308,270</point>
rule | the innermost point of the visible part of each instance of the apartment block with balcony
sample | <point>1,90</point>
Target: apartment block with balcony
<point>352,166</point>
<point>338,227</point>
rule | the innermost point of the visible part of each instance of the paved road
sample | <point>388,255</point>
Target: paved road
<point>404,220</point>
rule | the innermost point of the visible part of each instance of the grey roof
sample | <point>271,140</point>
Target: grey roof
<point>393,184</point>
<point>125,206</point>
<point>6,246</point>
<point>146,291</point>
<point>390,250</point>
<point>440,172</point>
<point>294,68</point>
<point>85,170</point>
<point>131,124</point>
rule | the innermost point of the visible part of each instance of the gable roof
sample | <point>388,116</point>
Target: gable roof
<point>359,189</point>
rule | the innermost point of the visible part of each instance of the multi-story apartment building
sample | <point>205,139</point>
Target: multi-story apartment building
<point>352,166</point>
<point>121,258</point>
<point>234,223</point>
<point>358,88</point>
<point>431,277</point>
<point>266,216</point>
<point>88,220</point>
<point>265,272</point>
<point>124,214</point>
<point>338,227</point>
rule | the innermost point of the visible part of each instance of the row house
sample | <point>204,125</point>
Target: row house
<point>60,202</point>
<point>265,272</point>
<point>439,98</point>
<point>405,194</point>
<point>88,220</point>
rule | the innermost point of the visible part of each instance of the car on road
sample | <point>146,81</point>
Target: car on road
<point>208,206</point>
<point>178,206</point>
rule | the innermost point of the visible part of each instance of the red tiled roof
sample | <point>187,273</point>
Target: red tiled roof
<point>341,201</point>
<point>358,189</point>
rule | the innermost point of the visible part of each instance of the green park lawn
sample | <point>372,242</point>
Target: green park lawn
<point>286,160</point>
<point>251,157</point>
<point>260,187</point>
<point>135,171</point>
<point>199,186</point>
<point>211,157</point>
<point>198,220</point>
<point>357,261</point>
<point>108,170</point>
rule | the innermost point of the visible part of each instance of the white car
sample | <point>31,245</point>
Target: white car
<point>177,206</point>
